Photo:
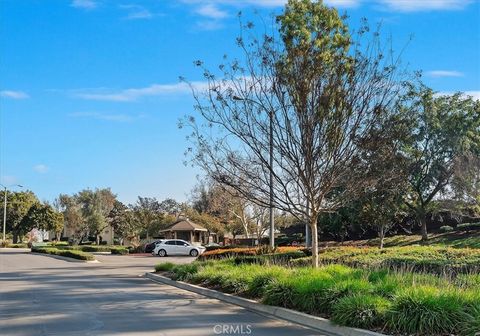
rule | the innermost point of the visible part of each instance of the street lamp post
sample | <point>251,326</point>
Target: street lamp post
<point>5,208</point>
<point>271,215</point>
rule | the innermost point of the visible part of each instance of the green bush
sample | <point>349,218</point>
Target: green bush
<point>95,248</point>
<point>136,249</point>
<point>426,310</point>
<point>164,267</point>
<point>468,227</point>
<point>261,281</point>
<point>271,258</point>
<point>446,228</point>
<point>64,253</point>
<point>361,311</point>
<point>471,325</point>
<point>20,245</point>
<point>429,259</point>
<point>397,302</point>
<point>119,250</point>
<point>184,272</point>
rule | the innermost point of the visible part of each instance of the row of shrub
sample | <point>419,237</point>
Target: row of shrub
<point>76,254</point>
<point>401,303</point>
<point>19,245</point>
<point>430,259</point>
<point>465,227</point>
<point>96,248</point>
<point>229,252</point>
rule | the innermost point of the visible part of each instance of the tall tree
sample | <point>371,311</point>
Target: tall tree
<point>445,137</point>
<point>149,215</point>
<point>313,95</point>
<point>122,220</point>
<point>43,216</point>
<point>74,222</point>
<point>18,205</point>
<point>95,207</point>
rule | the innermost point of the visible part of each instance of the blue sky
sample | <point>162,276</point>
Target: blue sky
<point>89,91</point>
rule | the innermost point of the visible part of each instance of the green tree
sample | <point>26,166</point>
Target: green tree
<point>147,213</point>
<point>42,216</point>
<point>74,222</point>
<point>18,205</point>
<point>95,206</point>
<point>445,136</point>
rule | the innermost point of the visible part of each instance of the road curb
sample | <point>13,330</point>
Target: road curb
<point>310,321</point>
<point>66,258</point>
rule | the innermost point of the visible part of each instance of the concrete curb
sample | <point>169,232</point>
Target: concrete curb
<point>310,321</point>
<point>66,258</point>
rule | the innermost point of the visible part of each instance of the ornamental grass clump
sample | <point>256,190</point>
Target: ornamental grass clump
<point>427,310</point>
<point>164,267</point>
<point>392,301</point>
<point>361,311</point>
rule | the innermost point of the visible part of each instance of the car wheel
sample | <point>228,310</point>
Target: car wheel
<point>194,253</point>
<point>162,253</point>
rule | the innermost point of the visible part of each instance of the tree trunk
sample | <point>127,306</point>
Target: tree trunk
<point>381,235</point>
<point>314,226</point>
<point>15,237</point>
<point>423,222</point>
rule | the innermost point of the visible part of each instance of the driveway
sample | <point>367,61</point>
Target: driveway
<point>40,295</point>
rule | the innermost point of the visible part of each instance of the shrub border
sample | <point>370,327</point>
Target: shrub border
<point>315,322</point>
<point>60,257</point>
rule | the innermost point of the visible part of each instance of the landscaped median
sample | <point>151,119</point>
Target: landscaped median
<point>96,248</point>
<point>75,254</point>
<point>387,301</point>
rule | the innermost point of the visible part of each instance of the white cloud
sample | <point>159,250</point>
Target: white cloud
<point>41,168</point>
<point>211,11</point>
<point>134,94</point>
<point>136,12</point>
<point>343,3</point>
<point>444,73</point>
<point>14,94</point>
<point>474,94</point>
<point>424,5</point>
<point>102,116</point>
<point>84,4</point>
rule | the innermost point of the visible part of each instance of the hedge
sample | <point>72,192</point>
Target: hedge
<point>64,253</point>
<point>429,259</point>
<point>245,251</point>
<point>96,248</point>
<point>468,227</point>
<point>282,258</point>
<point>20,245</point>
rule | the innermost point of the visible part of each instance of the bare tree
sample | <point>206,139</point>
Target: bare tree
<point>314,94</point>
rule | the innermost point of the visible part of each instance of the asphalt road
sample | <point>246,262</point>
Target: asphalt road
<point>40,295</point>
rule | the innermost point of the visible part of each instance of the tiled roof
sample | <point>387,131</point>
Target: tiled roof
<point>184,225</point>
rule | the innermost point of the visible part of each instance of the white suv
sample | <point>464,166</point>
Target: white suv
<point>177,247</point>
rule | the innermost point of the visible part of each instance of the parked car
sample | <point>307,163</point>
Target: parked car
<point>177,247</point>
<point>151,246</point>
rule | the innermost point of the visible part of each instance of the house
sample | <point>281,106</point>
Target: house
<point>185,229</point>
<point>106,235</point>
